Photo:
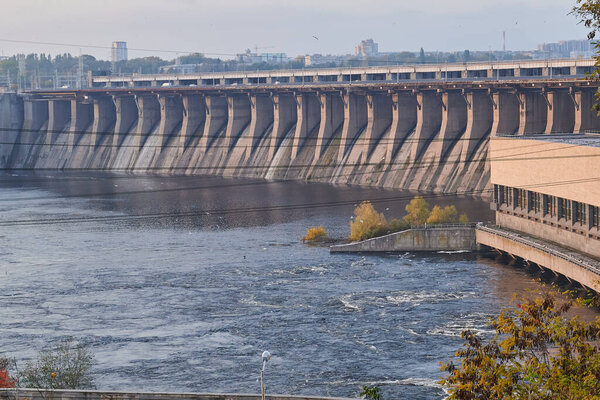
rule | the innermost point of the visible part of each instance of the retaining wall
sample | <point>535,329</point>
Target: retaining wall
<point>452,238</point>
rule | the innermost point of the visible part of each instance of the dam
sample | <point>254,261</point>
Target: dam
<point>416,134</point>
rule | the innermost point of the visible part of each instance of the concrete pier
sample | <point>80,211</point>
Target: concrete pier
<point>216,120</point>
<point>127,116</point>
<point>59,113</point>
<point>355,120</point>
<point>404,121</point>
<point>260,119</point>
<point>82,115</point>
<point>332,119</point>
<point>480,119</point>
<point>533,112</point>
<point>284,118</point>
<point>104,119</point>
<point>309,117</point>
<point>238,117</point>
<point>194,115</point>
<point>429,121</point>
<point>560,117</point>
<point>148,118</point>
<point>171,116</point>
<point>35,116</point>
<point>585,118</point>
<point>454,122</point>
<point>506,108</point>
<point>379,119</point>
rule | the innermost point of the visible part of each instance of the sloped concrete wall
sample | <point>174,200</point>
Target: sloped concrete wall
<point>422,239</point>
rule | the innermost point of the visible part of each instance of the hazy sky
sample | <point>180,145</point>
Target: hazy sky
<point>230,26</point>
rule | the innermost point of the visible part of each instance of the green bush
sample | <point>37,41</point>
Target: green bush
<point>398,225</point>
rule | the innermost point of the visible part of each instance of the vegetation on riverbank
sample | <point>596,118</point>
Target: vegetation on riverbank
<point>368,223</point>
<point>67,366</point>
<point>536,353</point>
<point>315,234</point>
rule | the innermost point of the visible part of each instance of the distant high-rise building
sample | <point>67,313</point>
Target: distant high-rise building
<point>566,49</point>
<point>119,51</point>
<point>367,48</point>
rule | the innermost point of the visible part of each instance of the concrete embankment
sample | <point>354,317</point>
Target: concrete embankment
<point>40,394</point>
<point>331,138</point>
<point>440,238</point>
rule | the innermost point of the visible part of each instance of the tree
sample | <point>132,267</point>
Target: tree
<point>588,13</point>
<point>68,366</point>
<point>466,55</point>
<point>418,211</point>
<point>367,223</point>
<point>446,215</point>
<point>536,353</point>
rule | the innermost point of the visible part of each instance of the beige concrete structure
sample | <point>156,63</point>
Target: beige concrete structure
<point>427,136</point>
<point>546,186</point>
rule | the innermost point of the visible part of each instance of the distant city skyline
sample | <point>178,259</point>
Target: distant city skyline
<point>228,27</point>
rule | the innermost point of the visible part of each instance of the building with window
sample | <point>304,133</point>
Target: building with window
<point>367,48</point>
<point>548,186</point>
<point>118,51</point>
<point>566,49</point>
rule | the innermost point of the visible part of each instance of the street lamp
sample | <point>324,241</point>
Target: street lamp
<point>266,356</point>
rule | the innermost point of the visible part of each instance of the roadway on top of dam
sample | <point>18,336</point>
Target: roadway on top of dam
<point>324,87</point>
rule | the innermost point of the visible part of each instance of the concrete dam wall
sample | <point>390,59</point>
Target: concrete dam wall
<point>431,138</point>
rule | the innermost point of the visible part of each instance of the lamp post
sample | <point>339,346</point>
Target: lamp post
<point>266,356</point>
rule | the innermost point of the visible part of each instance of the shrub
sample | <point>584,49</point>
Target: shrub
<point>367,222</point>
<point>66,367</point>
<point>446,215</point>
<point>463,219</point>
<point>418,211</point>
<point>370,393</point>
<point>315,233</point>
<point>6,381</point>
<point>398,225</point>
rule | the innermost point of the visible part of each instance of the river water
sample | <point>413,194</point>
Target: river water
<point>180,283</point>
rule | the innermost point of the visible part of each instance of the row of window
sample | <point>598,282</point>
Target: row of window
<point>548,206</point>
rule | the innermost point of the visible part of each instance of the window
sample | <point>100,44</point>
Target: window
<point>595,217</point>
<point>508,195</point>
<point>552,206</point>
<point>520,198</point>
<point>579,213</point>
<point>564,209</point>
<point>535,202</point>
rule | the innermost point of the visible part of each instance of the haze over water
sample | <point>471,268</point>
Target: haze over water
<point>188,303</point>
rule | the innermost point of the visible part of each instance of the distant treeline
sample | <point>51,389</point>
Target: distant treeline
<point>38,67</point>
